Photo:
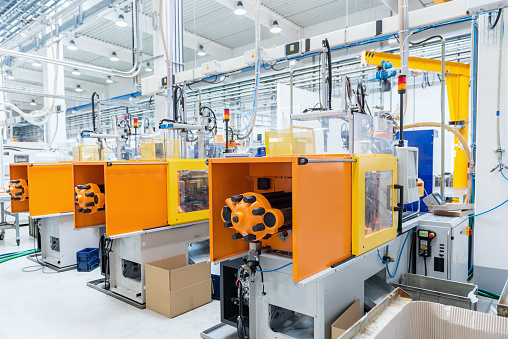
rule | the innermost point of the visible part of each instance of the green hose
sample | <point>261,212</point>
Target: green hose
<point>487,295</point>
<point>18,256</point>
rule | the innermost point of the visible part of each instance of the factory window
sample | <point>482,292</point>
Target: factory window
<point>378,201</point>
<point>193,191</point>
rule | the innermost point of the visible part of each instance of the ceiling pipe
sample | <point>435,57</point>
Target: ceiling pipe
<point>113,72</point>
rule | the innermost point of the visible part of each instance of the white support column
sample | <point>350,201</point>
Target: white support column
<point>160,66</point>
<point>490,229</point>
<point>55,131</point>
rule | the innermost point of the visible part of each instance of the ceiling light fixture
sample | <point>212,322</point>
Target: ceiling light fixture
<point>36,64</point>
<point>120,22</point>
<point>78,89</point>
<point>240,10</point>
<point>33,103</point>
<point>11,76</point>
<point>275,28</point>
<point>201,51</point>
<point>72,46</point>
<point>148,67</point>
<point>76,72</point>
<point>114,57</point>
<point>109,80</point>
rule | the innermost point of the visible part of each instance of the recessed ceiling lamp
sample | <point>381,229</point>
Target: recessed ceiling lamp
<point>36,64</point>
<point>275,28</point>
<point>109,80</point>
<point>114,57</point>
<point>76,71</point>
<point>33,103</point>
<point>78,89</point>
<point>120,22</point>
<point>148,67</point>
<point>72,46</point>
<point>240,10</point>
<point>201,51</point>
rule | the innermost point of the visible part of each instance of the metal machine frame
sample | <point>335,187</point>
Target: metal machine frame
<point>131,252</point>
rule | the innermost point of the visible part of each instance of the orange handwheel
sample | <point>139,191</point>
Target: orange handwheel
<point>89,198</point>
<point>254,215</point>
<point>18,189</point>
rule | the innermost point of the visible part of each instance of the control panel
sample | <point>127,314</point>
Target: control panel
<point>425,238</point>
<point>407,172</point>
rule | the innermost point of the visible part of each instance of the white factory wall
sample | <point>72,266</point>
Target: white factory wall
<point>491,229</point>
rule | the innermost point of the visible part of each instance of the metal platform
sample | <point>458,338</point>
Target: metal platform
<point>32,257</point>
<point>98,285</point>
<point>220,331</point>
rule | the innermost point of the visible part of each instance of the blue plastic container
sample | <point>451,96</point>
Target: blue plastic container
<point>87,254</point>
<point>216,287</point>
<point>87,266</point>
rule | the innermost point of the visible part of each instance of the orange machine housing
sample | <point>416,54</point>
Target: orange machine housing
<point>50,188</point>
<point>135,194</point>
<point>321,207</point>
<point>19,171</point>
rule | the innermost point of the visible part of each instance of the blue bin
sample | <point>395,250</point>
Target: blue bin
<point>87,266</point>
<point>87,254</point>
<point>216,287</point>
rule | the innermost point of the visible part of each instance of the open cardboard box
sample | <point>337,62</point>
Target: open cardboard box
<point>173,288</point>
<point>347,319</point>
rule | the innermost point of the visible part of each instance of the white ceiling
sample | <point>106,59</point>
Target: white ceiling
<point>213,20</point>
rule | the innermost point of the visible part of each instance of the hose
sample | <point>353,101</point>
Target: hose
<point>18,256</point>
<point>257,31</point>
<point>462,140</point>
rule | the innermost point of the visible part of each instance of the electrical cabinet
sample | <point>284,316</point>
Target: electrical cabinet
<point>446,254</point>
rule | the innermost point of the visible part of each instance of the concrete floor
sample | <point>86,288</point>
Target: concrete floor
<point>60,305</point>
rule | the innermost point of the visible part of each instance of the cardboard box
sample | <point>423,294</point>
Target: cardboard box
<point>346,320</point>
<point>173,288</point>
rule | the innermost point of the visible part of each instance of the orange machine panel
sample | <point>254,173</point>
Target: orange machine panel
<point>135,195</point>
<point>51,188</point>
<point>321,205</point>
<point>84,173</point>
<point>19,171</point>
<point>321,216</point>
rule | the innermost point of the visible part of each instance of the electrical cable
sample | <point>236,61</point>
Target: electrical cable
<point>493,25</point>
<point>425,264</point>
<point>398,260</point>
<point>276,269</point>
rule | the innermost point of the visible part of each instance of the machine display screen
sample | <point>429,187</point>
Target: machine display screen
<point>424,234</point>
<point>411,163</point>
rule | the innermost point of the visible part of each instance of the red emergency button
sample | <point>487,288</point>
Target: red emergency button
<point>432,235</point>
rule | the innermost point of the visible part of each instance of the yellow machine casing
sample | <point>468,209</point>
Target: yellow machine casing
<point>364,241</point>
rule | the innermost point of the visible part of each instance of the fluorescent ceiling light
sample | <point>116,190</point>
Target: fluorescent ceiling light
<point>240,10</point>
<point>275,28</point>
<point>114,57</point>
<point>72,46</point>
<point>120,22</point>
<point>201,51</point>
